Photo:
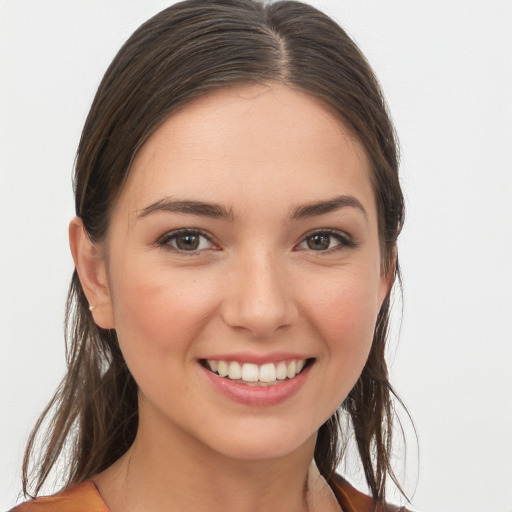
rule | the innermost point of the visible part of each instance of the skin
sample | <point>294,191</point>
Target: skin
<point>256,287</point>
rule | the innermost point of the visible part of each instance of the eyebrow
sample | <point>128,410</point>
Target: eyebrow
<point>191,207</point>
<point>219,212</point>
<point>331,205</point>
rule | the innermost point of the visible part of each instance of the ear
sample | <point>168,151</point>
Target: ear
<point>91,268</point>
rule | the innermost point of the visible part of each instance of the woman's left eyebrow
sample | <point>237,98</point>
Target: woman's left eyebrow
<point>331,205</point>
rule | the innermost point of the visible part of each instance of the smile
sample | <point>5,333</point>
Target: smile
<point>254,374</point>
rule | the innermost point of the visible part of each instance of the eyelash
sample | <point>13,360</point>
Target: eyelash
<point>164,241</point>
<point>344,240</point>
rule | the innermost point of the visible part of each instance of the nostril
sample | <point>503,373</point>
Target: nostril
<point>261,320</point>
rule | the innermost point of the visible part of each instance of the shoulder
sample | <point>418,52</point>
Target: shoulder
<point>352,500</point>
<point>83,497</point>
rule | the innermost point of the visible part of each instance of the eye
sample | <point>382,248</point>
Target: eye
<point>186,240</point>
<point>326,241</point>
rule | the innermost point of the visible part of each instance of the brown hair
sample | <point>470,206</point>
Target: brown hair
<point>183,52</point>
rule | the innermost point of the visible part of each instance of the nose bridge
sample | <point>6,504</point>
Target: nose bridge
<point>259,299</point>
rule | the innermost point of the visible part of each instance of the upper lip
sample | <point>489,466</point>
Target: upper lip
<point>258,359</point>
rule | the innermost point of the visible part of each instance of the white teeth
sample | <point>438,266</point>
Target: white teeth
<point>281,370</point>
<point>291,369</point>
<point>223,368</point>
<point>268,372</point>
<point>235,370</point>
<point>249,372</point>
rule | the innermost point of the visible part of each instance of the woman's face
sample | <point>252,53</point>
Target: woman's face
<point>245,242</point>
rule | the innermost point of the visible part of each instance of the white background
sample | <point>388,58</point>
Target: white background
<point>446,69</point>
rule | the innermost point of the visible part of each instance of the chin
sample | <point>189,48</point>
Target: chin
<point>263,442</point>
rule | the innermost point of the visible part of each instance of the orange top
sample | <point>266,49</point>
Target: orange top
<point>85,497</point>
<point>351,500</point>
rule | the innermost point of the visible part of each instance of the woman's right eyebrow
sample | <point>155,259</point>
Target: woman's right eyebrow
<point>187,206</point>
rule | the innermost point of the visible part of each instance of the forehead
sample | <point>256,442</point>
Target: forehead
<point>253,143</point>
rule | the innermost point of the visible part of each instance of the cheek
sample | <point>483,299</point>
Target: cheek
<point>159,312</point>
<point>345,316</point>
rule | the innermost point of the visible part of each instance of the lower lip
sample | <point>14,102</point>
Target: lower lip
<point>257,395</point>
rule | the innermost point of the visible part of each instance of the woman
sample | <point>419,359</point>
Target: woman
<point>238,207</point>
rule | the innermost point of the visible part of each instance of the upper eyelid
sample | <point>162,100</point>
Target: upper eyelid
<point>346,240</point>
<point>176,232</point>
<point>180,231</point>
<point>328,231</point>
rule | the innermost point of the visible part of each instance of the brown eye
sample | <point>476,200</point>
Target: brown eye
<point>319,242</point>
<point>186,241</point>
<point>327,241</point>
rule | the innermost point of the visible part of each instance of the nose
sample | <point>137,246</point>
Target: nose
<point>259,297</point>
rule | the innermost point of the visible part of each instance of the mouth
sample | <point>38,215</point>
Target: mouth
<point>251,374</point>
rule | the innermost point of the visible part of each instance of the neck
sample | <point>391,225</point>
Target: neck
<point>179,473</point>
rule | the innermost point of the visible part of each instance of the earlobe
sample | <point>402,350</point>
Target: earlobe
<point>91,268</point>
